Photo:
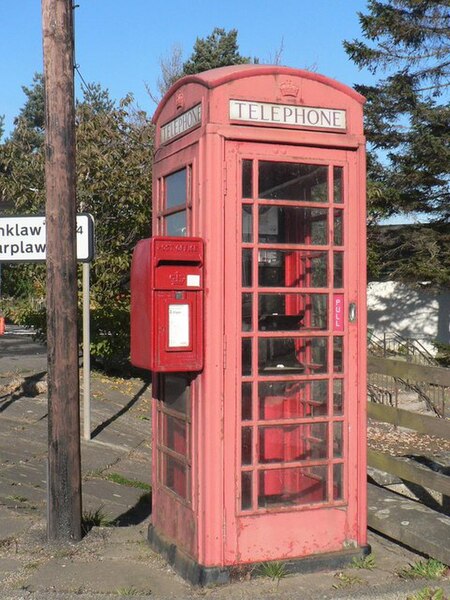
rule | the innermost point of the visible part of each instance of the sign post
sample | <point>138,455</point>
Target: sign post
<point>23,239</point>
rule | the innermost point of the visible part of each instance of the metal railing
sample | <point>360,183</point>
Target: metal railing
<point>393,345</point>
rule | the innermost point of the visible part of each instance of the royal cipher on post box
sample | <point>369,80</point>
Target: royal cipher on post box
<point>248,306</point>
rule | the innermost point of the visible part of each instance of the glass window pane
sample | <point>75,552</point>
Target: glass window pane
<point>337,174</point>
<point>175,434</point>
<point>175,476</point>
<point>278,356</point>
<point>176,224</point>
<point>176,189</point>
<point>338,482</point>
<point>246,493</point>
<point>338,278</point>
<point>293,225</point>
<point>278,487</point>
<point>247,312</point>
<point>247,223</point>
<point>247,178</point>
<point>337,439</point>
<point>289,443</point>
<point>338,360</point>
<point>176,392</point>
<point>338,397</point>
<point>296,268</point>
<point>246,402</point>
<point>247,268</point>
<point>292,399</point>
<point>246,356</point>
<point>246,447</point>
<point>293,181</point>
<point>338,228</point>
<point>291,312</point>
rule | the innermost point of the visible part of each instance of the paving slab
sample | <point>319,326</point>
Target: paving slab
<point>120,577</point>
<point>27,443</point>
<point>116,500</point>
<point>96,457</point>
<point>8,566</point>
<point>13,524</point>
<point>137,468</point>
<point>127,438</point>
<point>32,473</point>
<point>26,409</point>
<point>19,495</point>
<point>409,522</point>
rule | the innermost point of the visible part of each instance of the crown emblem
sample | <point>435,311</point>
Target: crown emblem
<point>179,100</point>
<point>288,89</point>
<point>177,278</point>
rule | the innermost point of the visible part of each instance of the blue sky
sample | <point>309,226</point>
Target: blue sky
<point>119,43</point>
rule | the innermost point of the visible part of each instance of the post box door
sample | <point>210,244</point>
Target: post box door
<point>295,425</point>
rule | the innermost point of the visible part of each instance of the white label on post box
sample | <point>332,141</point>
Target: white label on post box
<point>178,325</point>
<point>193,280</point>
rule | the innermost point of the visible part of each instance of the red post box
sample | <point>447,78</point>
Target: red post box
<point>167,304</point>
<point>258,449</point>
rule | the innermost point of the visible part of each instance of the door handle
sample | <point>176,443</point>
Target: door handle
<point>352,312</point>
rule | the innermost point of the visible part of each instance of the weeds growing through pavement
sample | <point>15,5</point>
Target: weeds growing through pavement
<point>130,591</point>
<point>428,594</point>
<point>365,562</point>
<point>94,518</point>
<point>424,569</point>
<point>275,570</point>
<point>116,478</point>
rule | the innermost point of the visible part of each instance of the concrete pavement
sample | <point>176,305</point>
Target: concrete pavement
<point>116,561</point>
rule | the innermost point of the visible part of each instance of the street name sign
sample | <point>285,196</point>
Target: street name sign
<point>23,239</point>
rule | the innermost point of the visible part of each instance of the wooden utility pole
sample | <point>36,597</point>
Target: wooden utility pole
<point>64,465</point>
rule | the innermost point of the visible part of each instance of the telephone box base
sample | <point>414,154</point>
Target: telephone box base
<point>197,574</point>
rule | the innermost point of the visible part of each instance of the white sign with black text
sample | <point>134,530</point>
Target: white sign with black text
<point>284,114</point>
<point>182,124</point>
<point>23,239</point>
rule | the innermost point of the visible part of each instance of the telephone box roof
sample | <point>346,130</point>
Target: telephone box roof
<point>216,77</point>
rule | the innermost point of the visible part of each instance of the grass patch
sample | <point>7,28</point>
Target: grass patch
<point>17,498</point>
<point>130,591</point>
<point>274,570</point>
<point>94,518</point>
<point>116,478</point>
<point>428,594</point>
<point>424,569</point>
<point>365,562</point>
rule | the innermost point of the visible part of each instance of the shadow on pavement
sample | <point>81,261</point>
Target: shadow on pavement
<point>26,388</point>
<point>137,513</point>
<point>122,411</point>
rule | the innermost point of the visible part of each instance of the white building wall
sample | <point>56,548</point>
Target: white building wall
<point>419,313</point>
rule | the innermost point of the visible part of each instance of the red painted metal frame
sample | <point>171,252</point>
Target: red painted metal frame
<point>248,534</point>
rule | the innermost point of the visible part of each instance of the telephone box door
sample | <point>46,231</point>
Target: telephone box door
<point>295,432</point>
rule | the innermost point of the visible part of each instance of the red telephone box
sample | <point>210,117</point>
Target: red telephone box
<point>259,451</point>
